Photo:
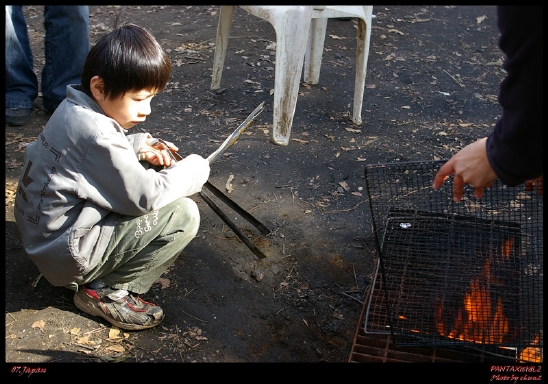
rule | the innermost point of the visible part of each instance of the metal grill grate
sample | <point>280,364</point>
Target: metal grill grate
<point>464,274</point>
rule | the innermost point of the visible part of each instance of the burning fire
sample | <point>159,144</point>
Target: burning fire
<point>533,353</point>
<point>479,319</point>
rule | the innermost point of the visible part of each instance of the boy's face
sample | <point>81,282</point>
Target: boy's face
<point>130,109</point>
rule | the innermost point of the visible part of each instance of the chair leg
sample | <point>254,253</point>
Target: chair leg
<point>362,53</point>
<point>226,14</point>
<point>314,51</point>
<point>291,40</point>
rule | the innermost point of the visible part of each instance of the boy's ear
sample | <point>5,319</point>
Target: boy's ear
<point>97,87</point>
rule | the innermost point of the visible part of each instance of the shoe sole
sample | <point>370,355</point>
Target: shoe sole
<point>16,123</point>
<point>92,310</point>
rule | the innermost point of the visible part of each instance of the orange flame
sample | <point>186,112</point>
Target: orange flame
<point>477,321</point>
<point>532,354</point>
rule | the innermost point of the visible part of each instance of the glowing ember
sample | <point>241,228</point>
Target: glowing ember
<point>532,353</point>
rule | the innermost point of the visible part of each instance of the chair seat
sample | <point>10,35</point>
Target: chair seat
<point>300,35</point>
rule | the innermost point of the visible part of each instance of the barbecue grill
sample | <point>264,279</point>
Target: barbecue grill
<point>463,275</point>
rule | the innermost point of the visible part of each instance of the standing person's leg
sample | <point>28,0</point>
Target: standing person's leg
<point>21,81</point>
<point>66,48</point>
<point>140,250</point>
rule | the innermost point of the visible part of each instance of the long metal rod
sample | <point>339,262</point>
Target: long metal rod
<point>234,136</point>
<point>242,212</point>
<point>256,251</point>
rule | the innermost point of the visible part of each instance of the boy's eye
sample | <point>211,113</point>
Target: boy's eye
<point>143,98</point>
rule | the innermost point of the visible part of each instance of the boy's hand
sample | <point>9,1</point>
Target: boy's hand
<point>158,153</point>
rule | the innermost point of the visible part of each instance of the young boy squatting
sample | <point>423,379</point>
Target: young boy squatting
<point>95,213</point>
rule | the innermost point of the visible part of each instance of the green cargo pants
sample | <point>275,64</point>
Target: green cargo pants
<point>143,247</point>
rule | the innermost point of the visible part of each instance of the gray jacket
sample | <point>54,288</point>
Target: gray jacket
<point>79,175</point>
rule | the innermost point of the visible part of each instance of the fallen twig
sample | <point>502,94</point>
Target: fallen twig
<point>352,297</point>
<point>194,317</point>
<point>455,80</point>
<point>345,210</point>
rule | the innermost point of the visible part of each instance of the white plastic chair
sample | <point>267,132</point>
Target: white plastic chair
<point>300,35</point>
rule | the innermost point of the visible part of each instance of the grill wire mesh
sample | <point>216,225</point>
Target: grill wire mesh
<point>467,274</point>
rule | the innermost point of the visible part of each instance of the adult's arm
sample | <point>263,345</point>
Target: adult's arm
<point>514,148</point>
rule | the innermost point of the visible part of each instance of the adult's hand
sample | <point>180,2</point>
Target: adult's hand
<point>531,184</point>
<point>470,166</point>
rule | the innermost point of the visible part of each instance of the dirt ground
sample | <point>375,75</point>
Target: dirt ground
<point>431,88</point>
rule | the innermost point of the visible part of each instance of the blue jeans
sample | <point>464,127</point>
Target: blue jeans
<point>66,48</point>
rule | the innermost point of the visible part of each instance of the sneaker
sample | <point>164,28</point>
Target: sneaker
<point>119,307</point>
<point>17,116</point>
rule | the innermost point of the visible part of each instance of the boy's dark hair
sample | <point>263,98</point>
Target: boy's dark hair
<point>127,59</point>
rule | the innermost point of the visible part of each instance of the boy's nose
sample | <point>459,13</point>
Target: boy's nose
<point>145,110</point>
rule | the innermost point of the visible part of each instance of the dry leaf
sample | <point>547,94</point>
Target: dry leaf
<point>465,124</point>
<point>164,283</point>
<point>356,193</point>
<point>370,86</point>
<point>21,146</point>
<point>85,340</point>
<point>354,130</point>
<point>480,19</point>
<point>361,159</point>
<point>335,37</point>
<point>228,184</point>
<point>406,107</point>
<point>523,196</point>
<point>116,348</point>
<point>301,141</point>
<point>75,331</point>
<point>396,31</point>
<point>114,333</point>
<point>344,185</point>
<point>39,324</point>
<point>369,142</point>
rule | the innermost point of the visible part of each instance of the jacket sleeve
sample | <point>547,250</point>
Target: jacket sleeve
<point>515,146</point>
<point>113,178</point>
